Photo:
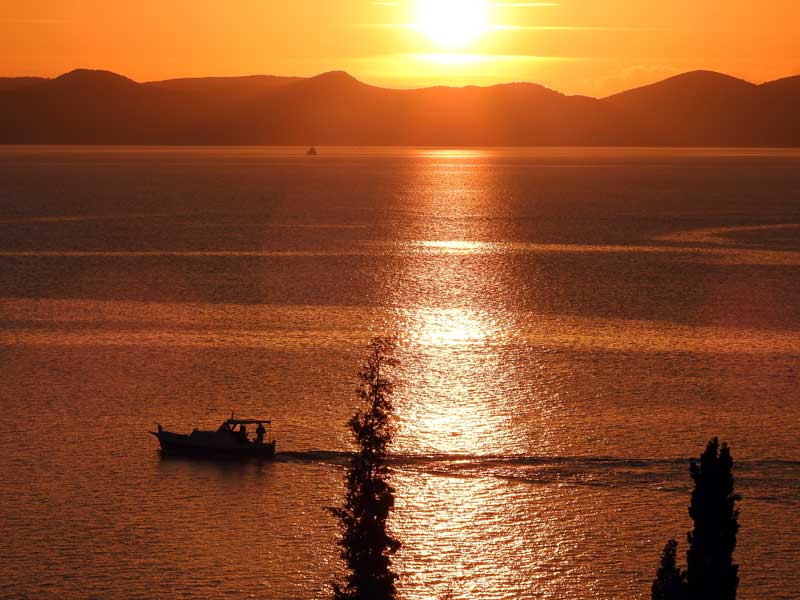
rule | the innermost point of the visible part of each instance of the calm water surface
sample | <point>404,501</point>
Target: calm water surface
<point>574,325</point>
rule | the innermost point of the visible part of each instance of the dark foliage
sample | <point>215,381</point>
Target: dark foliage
<point>670,582</point>
<point>366,545</point>
<point>711,573</point>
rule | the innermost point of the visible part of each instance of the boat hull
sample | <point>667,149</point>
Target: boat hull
<point>210,446</point>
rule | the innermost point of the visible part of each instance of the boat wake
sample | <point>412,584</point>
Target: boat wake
<point>770,480</point>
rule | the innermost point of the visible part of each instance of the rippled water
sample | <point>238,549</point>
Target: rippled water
<point>574,325</point>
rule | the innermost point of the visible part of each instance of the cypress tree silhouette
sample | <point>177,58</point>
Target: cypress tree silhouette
<point>670,582</point>
<point>366,545</point>
<point>711,574</point>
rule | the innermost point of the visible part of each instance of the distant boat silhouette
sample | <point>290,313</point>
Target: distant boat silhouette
<point>311,151</point>
<point>225,442</point>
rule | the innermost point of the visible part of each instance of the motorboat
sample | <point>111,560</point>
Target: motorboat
<point>231,440</point>
<point>311,151</point>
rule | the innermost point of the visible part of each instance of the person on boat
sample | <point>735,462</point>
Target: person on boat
<point>260,431</point>
<point>243,432</point>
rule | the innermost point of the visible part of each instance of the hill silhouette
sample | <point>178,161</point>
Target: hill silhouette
<point>700,108</point>
<point>13,83</point>
<point>250,83</point>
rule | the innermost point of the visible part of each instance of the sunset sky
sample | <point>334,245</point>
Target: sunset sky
<point>593,47</point>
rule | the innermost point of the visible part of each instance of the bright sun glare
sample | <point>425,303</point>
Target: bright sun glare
<point>453,23</point>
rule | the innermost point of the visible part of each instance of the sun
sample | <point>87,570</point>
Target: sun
<point>453,23</point>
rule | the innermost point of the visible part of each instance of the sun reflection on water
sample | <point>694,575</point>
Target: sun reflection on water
<point>443,406</point>
<point>460,397</point>
<point>450,322</point>
<point>445,533</point>
<point>452,153</point>
<point>450,327</point>
<point>460,246</point>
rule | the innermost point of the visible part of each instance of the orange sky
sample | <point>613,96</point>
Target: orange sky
<point>593,47</point>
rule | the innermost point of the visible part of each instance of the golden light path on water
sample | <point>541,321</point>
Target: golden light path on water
<point>459,404</point>
<point>449,411</point>
<point>468,521</point>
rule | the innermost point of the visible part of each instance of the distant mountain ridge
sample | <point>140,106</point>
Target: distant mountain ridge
<point>699,108</point>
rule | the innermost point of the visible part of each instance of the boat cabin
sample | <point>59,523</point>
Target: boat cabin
<point>262,434</point>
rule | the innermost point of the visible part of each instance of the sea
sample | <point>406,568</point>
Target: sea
<point>573,326</point>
